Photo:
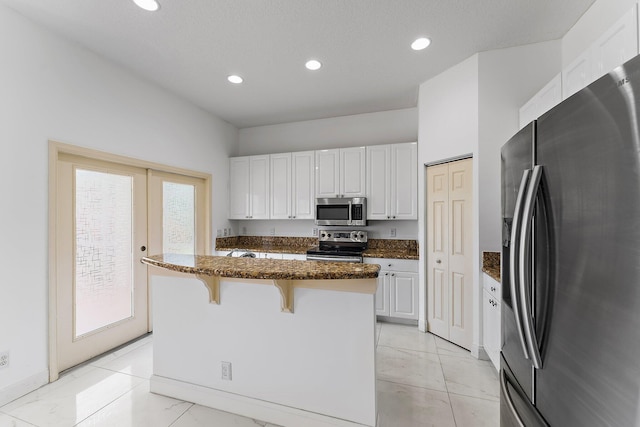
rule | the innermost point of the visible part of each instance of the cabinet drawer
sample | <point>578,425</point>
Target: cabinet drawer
<point>408,265</point>
<point>492,286</point>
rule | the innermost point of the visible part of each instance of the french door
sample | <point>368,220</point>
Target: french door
<point>101,234</point>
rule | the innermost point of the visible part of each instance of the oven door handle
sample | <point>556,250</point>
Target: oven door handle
<point>334,258</point>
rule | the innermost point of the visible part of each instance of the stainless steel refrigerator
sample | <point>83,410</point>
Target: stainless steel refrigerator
<point>571,261</point>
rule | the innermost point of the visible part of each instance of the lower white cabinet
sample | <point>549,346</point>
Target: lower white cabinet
<point>491,328</point>
<point>397,293</point>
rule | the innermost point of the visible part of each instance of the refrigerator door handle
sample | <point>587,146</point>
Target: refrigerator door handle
<point>525,266</point>
<point>515,265</point>
<point>507,397</point>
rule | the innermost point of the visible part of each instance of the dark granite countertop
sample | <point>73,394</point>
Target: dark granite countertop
<point>491,264</point>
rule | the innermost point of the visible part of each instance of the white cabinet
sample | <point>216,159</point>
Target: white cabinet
<point>577,75</point>
<point>547,98</point>
<point>340,172</point>
<point>249,187</point>
<point>397,293</point>
<point>392,181</point>
<point>616,46</point>
<point>491,328</point>
<point>292,192</point>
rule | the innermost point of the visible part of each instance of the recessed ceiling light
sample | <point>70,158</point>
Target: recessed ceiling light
<point>313,65</point>
<point>235,79</point>
<point>150,5</point>
<point>421,43</point>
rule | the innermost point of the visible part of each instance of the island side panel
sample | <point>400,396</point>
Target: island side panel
<point>320,359</point>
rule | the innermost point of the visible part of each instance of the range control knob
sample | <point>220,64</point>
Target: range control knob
<point>328,234</point>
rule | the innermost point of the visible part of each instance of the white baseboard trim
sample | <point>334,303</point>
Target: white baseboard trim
<point>27,385</point>
<point>479,352</point>
<point>243,405</point>
<point>422,325</point>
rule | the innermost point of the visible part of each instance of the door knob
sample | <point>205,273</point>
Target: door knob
<point>143,248</point>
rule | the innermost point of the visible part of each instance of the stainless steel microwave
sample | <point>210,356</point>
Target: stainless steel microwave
<point>341,211</point>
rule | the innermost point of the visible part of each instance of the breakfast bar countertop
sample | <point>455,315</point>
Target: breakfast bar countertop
<point>270,269</point>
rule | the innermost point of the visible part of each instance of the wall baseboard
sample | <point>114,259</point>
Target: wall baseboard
<point>243,405</point>
<point>27,385</point>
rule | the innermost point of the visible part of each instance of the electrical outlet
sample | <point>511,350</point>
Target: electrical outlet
<point>229,231</point>
<point>393,232</point>
<point>226,371</point>
<point>272,231</point>
<point>219,232</point>
<point>314,231</point>
<point>225,232</point>
<point>4,359</point>
<point>244,231</point>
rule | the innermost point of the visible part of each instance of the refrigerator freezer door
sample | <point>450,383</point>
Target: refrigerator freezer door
<point>515,408</point>
<point>589,148</point>
<point>517,157</point>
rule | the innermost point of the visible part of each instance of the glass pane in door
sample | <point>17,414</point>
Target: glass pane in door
<point>178,218</point>
<point>103,254</point>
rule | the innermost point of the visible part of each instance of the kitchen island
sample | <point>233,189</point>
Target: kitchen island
<point>284,341</point>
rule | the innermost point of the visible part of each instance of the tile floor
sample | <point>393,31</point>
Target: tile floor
<point>422,381</point>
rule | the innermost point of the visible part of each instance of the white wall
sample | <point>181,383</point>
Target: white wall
<point>448,127</point>
<point>385,127</point>
<point>476,116</point>
<point>596,20</point>
<point>55,90</point>
<point>507,79</point>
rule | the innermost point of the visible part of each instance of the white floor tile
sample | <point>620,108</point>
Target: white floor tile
<point>450,349</point>
<point>409,367</point>
<point>9,421</point>
<point>407,337</point>
<point>72,398</point>
<point>138,362</point>
<point>201,416</point>
<point>476,378</point>
<point>405,406</point>
<point>470,411</point>
<point>138,408</point>
<point>106,358</point>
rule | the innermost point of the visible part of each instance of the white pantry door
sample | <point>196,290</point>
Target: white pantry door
<point>101,226</point>
<point>449,251</point>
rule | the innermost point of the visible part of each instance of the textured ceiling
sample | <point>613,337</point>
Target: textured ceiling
<point>190,46</point>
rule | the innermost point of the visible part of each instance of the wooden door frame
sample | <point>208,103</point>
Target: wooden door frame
<point>57,148</point>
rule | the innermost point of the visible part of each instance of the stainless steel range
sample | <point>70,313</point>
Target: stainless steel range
<point>339,246</point>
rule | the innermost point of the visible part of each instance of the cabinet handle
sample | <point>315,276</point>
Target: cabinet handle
<point>493,289</point>
<point>393,274</point>
<point>293,216</point>
<point>389,265</point>
<point>388,217</point>
<point>394,217</point>
<point>386,274</point>
<point>438,261</point>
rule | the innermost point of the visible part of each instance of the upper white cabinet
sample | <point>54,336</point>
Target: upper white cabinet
<point>249,187</point>
<point>616,46</point>
<point>577,75</point>
<point>292,190</point>
<point>547,98</point>
<point>340,172</point>
<point>392,179</point>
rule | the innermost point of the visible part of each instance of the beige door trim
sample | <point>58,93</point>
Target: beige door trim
<point>57,149</point>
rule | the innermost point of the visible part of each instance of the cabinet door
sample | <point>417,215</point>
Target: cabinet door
<point>382,294</point>
<point>259,185</point>
<point>549,96</point>
<point>577,74</point>
<point>302,173</point>
<point>491,327</point>
<point>404,181</point>
<point>280,186</point>
<point>352,172</point>
<point>239,194</point>
<point>378,182</point>
<point>617,45</point>
<point>403,295</point>
<point>327,173</point>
